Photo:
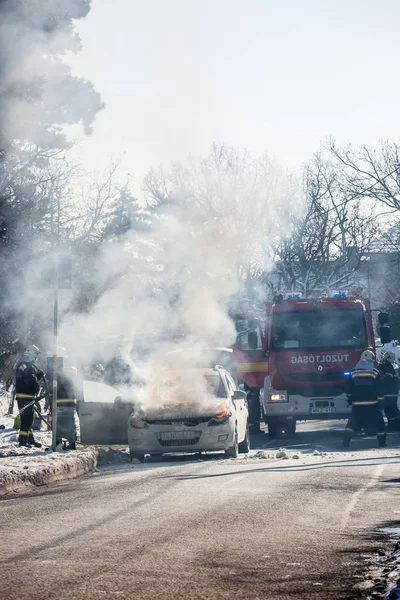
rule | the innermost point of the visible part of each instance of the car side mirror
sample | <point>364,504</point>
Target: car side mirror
<point>239,395</point>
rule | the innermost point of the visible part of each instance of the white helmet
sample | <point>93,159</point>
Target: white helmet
<point>32,352</point>
<point>368,356</point>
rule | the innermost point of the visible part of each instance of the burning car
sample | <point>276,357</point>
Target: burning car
<point>191,410</point>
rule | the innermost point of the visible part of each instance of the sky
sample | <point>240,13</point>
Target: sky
<point>281,76</point>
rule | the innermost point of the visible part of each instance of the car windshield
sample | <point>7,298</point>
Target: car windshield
<point>173,387</point>
<point>215,387</point>
<point>319,328</point>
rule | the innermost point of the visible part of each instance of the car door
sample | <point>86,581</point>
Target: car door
<point>240,407</point>
<point>103,415</point>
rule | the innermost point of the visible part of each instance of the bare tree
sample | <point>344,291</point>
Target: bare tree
<point>250,197</point>
<point>327,241</point>
<point>371,173</point>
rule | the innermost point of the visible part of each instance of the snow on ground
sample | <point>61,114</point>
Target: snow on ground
<point>22,469</point>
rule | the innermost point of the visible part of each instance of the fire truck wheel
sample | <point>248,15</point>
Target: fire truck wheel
<point>254,410</point>
<point>290,427</point>
<point>274,429</point>
<point>263,416</point>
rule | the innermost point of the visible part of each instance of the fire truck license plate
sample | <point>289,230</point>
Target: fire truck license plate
<point>325,409</point>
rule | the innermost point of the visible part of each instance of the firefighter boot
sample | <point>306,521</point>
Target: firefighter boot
<point>348,434</point>
<point>32,442</point>
<point>381,439</point>
<point>23,439</point>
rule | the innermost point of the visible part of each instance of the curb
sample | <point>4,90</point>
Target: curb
<point>17,479</point>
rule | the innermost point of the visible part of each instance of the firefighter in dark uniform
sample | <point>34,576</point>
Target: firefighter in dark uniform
<point>27,378</point>
<point>390,380</point>
<point>69,393</point>
<point>365,394</point>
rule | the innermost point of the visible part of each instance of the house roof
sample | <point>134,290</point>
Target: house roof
<point>387,243</point>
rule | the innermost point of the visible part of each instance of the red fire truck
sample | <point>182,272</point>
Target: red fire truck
<point>312,344</point>
<point>250,362</point>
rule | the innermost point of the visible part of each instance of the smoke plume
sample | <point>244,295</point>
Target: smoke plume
<point>170,289</point>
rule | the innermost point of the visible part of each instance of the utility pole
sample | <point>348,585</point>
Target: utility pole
<point>56,244</point>
<point>55,359</point>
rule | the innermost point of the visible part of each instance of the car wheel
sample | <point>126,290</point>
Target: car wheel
<point>233,451</point>
<point>244,446</point>
<point>137,455</point>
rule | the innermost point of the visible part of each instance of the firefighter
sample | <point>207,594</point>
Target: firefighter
<point>68,395</point>
<point>27,378</point>
<point>389,373</point>
<point>365,394</point>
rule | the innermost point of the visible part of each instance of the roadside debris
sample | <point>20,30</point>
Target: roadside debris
<point>108,456</point>
<point>383,577</point>
<point>281,454</point>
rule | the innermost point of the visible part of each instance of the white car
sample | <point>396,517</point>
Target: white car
<point>217,421</point>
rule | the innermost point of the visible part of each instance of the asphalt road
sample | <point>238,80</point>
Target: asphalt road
<point>207,529</point>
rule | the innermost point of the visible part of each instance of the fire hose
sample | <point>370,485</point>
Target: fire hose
<point>37,412</point>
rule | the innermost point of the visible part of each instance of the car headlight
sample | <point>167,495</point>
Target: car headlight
<point>278,397</point>
<point>221,417</point>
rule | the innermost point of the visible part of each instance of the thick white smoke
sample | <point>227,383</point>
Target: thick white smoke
<point>171,287</point>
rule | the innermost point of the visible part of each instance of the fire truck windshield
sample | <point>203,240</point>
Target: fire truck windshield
<point>320,328</point>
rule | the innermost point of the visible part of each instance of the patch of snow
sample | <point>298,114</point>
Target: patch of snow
<point>22,468</point>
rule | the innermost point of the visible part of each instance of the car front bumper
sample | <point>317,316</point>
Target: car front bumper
<point>167,438</point>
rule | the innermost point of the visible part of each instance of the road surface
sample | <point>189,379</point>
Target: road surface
<point>250,528</point>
